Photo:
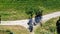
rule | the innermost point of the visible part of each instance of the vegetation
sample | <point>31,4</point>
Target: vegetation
<point>31,12</point>
<point>15,9</point>
<point>47,28</point>
<point>5,29</point>
<point>3,32</point>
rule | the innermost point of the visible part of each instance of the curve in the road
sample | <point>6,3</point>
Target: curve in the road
<point>24,22</point>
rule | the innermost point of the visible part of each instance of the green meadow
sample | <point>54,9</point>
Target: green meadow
<point>16,9</point>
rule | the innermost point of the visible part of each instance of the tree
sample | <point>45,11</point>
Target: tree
<point>30,12</point>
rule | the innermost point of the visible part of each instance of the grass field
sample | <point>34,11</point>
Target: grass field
<point>15,9</point>
<point>3,32</point>
<point>4,29</point>
<point>48,28</point>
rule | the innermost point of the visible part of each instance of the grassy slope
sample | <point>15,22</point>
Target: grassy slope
<point>3,32</point>
<point>48,28</point>
<point>15,9</point>
<point>15,29</point>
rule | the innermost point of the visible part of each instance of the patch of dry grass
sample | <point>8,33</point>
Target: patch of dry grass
<point>15,29</point>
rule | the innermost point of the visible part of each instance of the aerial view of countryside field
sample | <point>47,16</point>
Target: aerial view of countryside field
<point>29,16</point>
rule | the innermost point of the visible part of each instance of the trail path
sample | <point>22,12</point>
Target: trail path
<point>24,22</point>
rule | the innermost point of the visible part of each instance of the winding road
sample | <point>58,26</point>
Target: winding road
<point>24,22</point>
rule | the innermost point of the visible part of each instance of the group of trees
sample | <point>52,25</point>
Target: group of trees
<point>30,13</point>
<point>33,11</point>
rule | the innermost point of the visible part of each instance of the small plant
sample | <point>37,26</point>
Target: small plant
<point>7,30</point>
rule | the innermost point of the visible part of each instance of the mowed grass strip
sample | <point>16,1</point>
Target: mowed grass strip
<point>16,29</point>
<point>48,27</point>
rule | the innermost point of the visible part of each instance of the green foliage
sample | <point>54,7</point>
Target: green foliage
<point>30,12</point>
<point>47,28</point>
<point>21,7</point>
<point>33,11</point>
